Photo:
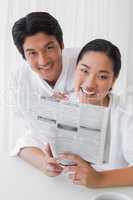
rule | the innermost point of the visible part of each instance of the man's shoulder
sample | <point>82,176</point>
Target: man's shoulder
<point>21,75</point>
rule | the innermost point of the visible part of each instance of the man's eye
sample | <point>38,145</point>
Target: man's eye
<point>32,53</point>
<point>103,77</point>
<point>51,47</point>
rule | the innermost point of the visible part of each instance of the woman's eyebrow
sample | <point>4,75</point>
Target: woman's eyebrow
<point>87,66</point>
<point>101,71</point>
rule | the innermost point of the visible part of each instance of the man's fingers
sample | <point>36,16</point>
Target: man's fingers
<point>52,170</point>
<point>53,167</point>
<point>47,150</point>
<point>60,96</point>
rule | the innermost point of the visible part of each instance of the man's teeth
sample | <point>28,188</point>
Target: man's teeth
<point>45,67</point>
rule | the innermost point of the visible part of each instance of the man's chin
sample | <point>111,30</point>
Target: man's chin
<point>45,77</point>
<point>49,80</point>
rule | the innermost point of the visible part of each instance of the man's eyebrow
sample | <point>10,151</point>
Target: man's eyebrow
<point>29,49</point>
<point>49,43</point>
<point>104,71</point>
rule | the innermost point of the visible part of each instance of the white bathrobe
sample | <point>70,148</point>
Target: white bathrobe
<point>28,89</point>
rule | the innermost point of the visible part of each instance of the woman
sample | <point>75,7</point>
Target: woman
<point>98,66</point>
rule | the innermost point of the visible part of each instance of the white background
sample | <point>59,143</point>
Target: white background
<point>81,21</point>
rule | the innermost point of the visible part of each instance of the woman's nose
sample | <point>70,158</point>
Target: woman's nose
<point>90,83</point>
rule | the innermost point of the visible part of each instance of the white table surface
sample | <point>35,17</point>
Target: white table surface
<point>20,181</point>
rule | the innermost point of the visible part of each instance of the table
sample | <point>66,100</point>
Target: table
<point>20,181</point>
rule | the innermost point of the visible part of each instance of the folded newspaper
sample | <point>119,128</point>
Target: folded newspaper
<point>77,128</point>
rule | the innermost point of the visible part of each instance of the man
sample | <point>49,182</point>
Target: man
<point>39,39</point>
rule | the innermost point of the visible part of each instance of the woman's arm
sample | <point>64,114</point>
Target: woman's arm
<point>84,174</point>
<point>117,177</point>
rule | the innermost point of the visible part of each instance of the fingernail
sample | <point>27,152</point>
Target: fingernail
<point>66,97</point>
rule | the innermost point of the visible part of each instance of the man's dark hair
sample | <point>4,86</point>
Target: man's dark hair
<point>33,23</point>
<point>104,46</point>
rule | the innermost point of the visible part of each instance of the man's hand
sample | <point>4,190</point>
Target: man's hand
<point>60,96</point>
<point>41,159</point>
<point>51,167</point>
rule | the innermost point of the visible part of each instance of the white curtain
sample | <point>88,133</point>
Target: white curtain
<point>81,21</point>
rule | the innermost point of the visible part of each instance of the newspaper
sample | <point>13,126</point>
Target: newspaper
<point>77,128</point>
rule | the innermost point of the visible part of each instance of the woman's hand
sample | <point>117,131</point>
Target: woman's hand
<point>82,173</point>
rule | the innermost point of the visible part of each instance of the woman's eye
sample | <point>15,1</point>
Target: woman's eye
<point>84,70</point>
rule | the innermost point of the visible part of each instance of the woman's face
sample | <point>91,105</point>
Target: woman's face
<point>94,77</point>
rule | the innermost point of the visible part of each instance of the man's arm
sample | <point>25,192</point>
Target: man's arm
<point>41,160</point>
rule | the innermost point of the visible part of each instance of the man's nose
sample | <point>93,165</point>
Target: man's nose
<point>43,59</point>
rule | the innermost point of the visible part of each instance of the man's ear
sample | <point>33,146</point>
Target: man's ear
<point>62,45</point>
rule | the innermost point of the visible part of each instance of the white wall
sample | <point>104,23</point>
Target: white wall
<point>130,48</point>
<point>81,21</point>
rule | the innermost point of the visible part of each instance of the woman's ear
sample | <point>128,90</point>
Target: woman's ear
<point>114,80</point>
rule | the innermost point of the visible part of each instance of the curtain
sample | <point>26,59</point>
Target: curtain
<point>81,21</point>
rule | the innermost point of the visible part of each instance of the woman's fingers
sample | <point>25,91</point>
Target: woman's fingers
<point>72,157</point>
<point>70,168</point>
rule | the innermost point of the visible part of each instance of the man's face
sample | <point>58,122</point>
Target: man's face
<point>94,77</point>
<point>44,55</point>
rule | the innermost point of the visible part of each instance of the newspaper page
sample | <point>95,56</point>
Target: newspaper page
<point>64,134</point>
<point>47,115</point>
<point>93,126</point>
<point>77,128</point>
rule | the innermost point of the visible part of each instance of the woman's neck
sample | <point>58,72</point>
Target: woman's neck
<point>106,101</point>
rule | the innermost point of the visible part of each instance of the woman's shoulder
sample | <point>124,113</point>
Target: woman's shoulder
<point>120,105</point>
<point>115,100</point>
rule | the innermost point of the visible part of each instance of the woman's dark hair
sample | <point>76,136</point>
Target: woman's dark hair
<point>101,45</point>
<point>33,23</point>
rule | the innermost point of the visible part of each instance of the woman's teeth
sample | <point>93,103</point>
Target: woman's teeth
<point>87,92</point>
